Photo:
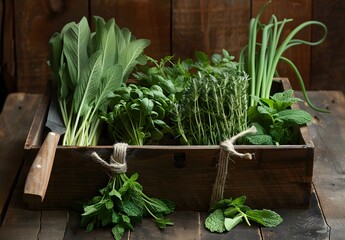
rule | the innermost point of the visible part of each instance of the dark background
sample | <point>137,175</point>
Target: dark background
<point>177,27</point>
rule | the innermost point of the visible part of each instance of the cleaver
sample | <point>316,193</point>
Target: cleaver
<point>38,177</point>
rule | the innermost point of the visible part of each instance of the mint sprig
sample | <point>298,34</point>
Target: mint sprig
<point>121,205</point>
<point>226,214</point>
<point>275,121</point>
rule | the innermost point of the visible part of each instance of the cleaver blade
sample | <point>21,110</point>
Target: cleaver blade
<point>39,174</point>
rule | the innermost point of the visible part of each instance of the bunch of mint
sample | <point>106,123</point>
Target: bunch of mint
<point>228,213</point>
<point>275,121</point>
<point>122,204</point>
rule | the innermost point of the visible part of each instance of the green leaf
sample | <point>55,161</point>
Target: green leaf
<point>126,221</point>
<point>75,42</point>
<point>89,227</point>
<point>118,231</point>
<point>131,209</point>
<point>164,222</point>
<point>259,139</point>
<point>265,217</point>
<point>105,41</point>
<point>86,89</point>
<point>109,204</point>
<point>110,81</point>
<point>158,206</point>
<point>295,116</point>
<point>224,203</point>
<point>239,201</point>
<point>215,221</point>
<point>129,55</point>
<point>230,223</point>
<point>230,212</point>
<point>115,193</point>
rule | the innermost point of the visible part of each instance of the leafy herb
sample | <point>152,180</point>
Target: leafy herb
<point>275,121</point>
<point>138,114</point>
<point>121,205</point>
<point>214,105</point>
<point>209,96</point>
<point>260,58</point>
<point>228,213</point>
<point>87,68</point>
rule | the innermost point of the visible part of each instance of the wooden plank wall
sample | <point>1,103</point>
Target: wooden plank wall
<point>177,27</point>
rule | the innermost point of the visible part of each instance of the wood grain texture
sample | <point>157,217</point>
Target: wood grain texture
<point>209,26</point>
<point>36,21</point>
<point>8,78</point>
<point>20,223</point>
<point>328,134</point>
<point>242,231</point>
<point>18,112</point>
<point>300,11</point>
<point>328,59</point>
<point>145,19</point>
<point>299,224</point>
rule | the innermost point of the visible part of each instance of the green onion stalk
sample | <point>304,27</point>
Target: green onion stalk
<point>260,59</point>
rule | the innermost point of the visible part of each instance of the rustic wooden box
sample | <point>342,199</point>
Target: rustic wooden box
<point>278,176</point>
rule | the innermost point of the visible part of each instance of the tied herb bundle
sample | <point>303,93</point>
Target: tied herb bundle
<point>122,204</point>
<point>87,68</point>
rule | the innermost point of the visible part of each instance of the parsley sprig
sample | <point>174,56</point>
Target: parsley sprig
<point>122,204</point>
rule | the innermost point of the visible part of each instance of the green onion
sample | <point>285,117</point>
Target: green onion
<point>260,59</point>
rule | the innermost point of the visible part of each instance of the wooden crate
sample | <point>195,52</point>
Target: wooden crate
<point>278,176</point>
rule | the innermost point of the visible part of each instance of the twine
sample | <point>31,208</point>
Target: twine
<point>227,149</point>
<point>117,162</point>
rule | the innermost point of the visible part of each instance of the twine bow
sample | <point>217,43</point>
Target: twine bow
<point>117,162</point>
<point>227,149</point>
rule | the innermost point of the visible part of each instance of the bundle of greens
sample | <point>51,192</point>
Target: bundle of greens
<point>214,105</point>
<point>87,68</point>
<point>260,58</point>
<point>228,213</point>
<point>209,96</point>
<point>275,121</point>
<point>122,204</point>
<point>138,114</point>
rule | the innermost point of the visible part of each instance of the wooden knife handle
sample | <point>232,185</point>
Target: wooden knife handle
<point>38,177</point>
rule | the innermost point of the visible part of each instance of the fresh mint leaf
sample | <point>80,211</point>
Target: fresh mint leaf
<point>224,219</point>
<point>115,193</point>
<point>89,227</point>
<point>164,222</point>
<point>221,204</point>
<point>284,99</point>
<point>215,221</point>
<point>118,231</point>
<point>230,223</point>
<point>259,139</point>
<point>276,119</point>
<point>294,116</point>
<point>265,217</point>
<point>239,201</point>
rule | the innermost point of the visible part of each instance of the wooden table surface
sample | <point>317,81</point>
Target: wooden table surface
<point>325,219</point>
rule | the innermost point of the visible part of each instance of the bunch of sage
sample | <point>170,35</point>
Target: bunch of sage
<point>87,68</point>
